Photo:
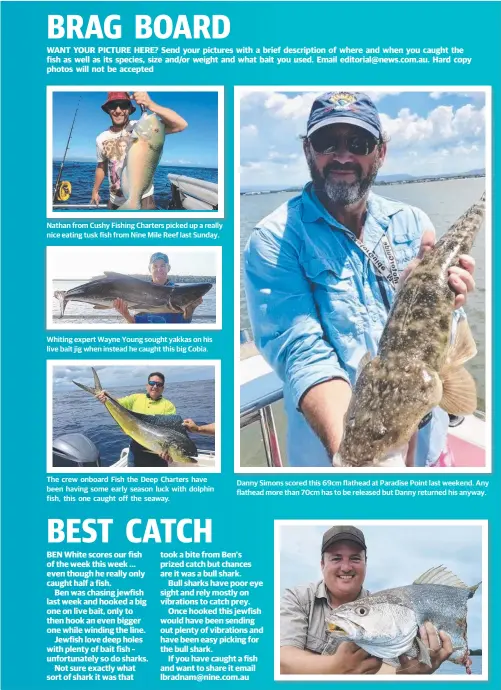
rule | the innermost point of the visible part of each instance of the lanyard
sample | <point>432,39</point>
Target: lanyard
<point>388,271</point>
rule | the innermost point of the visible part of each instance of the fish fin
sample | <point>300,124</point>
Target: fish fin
<point>440,575</point>
<point>459,395</point>
<point>61,296</point>
<point>424,654</point>
<point>97,382</point>
<point>100,306</point>
<point>463,347</point>
<point>474,588</point>
<point>365,360</point>
<point>114,274</point>
<point>88,389</point>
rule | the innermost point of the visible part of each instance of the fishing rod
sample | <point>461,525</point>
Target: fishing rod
<point>56,189</point>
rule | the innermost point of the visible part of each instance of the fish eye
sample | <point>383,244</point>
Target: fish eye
<point>362,611</point>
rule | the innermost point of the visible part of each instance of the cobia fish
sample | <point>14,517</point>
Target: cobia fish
<point>418,364</point>
<point>141,159</point>
<point>386,624</point>
<point>142,295</point>
<point>158,433</point>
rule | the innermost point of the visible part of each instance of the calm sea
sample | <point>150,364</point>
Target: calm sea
<point>448,668</point>
<point>444,201</point>
<point>81,176</point>
<point>75,411</point>
<point>81,312</point>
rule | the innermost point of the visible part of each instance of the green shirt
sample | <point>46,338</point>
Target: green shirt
<point>139,402</point>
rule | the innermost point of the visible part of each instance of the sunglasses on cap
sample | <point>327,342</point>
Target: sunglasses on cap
<point>155,384</point>
<point>123,105</point>
<point>326,142</point>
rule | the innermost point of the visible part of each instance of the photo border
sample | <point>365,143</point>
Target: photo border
<point>52,324</point>
<point>487,469</point>
<point>484,676</point>
<point>216,363</point>
<point>140,214</point>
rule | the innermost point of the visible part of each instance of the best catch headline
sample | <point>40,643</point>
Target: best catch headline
<point>137,530</point>
<point>162,26</point>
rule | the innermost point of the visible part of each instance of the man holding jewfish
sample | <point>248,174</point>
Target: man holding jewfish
<point>112,144</point>
<point>321,273</point>
<point>151,402</point>
<point>334,626</point>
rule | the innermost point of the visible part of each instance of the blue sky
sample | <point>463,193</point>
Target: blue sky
<point>113,376</point>
<point>396,555</point>
<point>431,133</point>
<point>195,146</point>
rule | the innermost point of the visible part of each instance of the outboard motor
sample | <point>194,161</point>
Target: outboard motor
<point>75,450</point>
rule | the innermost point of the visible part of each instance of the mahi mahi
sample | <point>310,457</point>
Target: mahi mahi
<point>386,624</point>
<point>141,160</point>
<point>142,295</point>
<point>418,364</point>
<point>157,433</point>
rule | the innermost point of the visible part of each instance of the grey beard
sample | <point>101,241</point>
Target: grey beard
<point>343,193</point>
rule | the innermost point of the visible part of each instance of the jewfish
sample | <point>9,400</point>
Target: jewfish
<point>386,624</point>
<point>139,294</point>
<point>418,365</point>
<point>141,159</point>
<point>158,433</point>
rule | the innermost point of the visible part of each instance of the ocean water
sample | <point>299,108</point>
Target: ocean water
<point>81,176</point>
<point>81,312</point>
<point>75,411</point>
<point>448,668</point>
<point>444,201</point>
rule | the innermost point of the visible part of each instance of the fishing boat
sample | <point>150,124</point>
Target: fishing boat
<point>206,458</point>
<point>187,194</point>
<point>260,388</point>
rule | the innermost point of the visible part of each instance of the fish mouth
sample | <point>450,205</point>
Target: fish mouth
<point>332,627</point>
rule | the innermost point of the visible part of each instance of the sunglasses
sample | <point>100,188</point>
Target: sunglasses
<point>357,144</point>
<point>123,105</point>
<point>155,384</point>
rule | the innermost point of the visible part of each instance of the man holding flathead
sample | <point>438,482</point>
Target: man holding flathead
<point>111,145</point>
<point>304,610</point>
<point>317,295</point>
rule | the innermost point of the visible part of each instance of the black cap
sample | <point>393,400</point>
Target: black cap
<point>343,533</point>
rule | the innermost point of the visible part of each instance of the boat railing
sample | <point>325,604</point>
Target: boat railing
<point>258,409</point>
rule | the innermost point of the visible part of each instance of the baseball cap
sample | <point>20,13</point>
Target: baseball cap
<point>343,533</point>
<point>159,255</point>
<point>344,107</point>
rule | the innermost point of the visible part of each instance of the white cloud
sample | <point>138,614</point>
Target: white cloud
<point>272,123</point>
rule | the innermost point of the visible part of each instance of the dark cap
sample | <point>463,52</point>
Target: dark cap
<point>159,255</point>
<point>344,107</point>
<point>343,533</point>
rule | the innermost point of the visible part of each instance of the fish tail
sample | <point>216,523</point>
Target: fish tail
<point>129,205</point>
<point>61,296</point>
<point>97,383</point>
<point>473,589</point>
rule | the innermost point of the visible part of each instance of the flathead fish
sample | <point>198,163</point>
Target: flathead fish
<point>142,157</point>
<point>140,295</point>
<point>419,365</point>
<point>386,624</point>
<point>157,433</point>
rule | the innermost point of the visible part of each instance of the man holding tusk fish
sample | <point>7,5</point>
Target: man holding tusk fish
<point>321,273</point>
<point>304,610</point>
<point>111,145</point>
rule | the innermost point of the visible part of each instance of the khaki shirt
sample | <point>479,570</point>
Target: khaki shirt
<point>303,614</point>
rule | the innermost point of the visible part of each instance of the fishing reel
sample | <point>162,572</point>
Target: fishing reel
<point>63,191</point>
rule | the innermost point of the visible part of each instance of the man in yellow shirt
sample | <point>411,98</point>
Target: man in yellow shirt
<point>151,402</point>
